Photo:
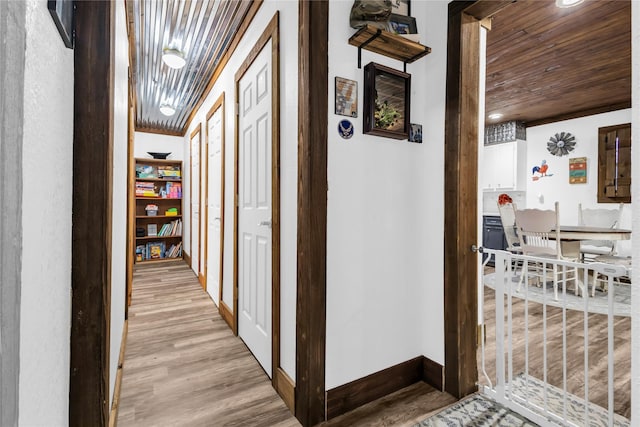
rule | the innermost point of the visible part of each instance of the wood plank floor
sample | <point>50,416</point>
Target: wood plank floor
<point>183,366</point>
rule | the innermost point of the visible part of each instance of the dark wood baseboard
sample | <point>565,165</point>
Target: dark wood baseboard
<point>286,388</point>
<point>352,395</point>
<point>187,258</point>
<point>113,416</point>
<point>433,373</point>
<point>227,314</point>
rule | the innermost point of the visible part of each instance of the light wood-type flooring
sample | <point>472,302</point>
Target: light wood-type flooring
<point>183,366</point>
<point>597,350</point>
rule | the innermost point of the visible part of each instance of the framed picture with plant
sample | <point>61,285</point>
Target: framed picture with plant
<point>386,101</point>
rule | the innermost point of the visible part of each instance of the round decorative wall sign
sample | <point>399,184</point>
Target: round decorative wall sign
<point>561,144</point>
<point>345,129</point>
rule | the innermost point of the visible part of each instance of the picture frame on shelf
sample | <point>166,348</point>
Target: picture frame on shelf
<point>402,25</point>
<point>346,97</point>
<point>401,7</point>
<point>387,101</point>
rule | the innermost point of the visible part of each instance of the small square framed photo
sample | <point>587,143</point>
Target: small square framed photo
<point>401,7</point>
<point>346,97</point>
<point>415,133</point>
<point>399,24</point>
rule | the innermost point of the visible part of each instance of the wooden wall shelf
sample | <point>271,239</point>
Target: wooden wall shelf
<point>387,44</point>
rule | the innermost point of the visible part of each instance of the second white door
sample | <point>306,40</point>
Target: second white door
<point>214,134</point>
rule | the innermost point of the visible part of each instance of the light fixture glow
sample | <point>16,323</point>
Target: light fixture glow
<point>568,3</point>
<point>173,58</point>
<point>167,110</point>
<point>495,116</point>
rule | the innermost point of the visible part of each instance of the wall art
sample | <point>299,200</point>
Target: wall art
<point>561,144</point>
<point>346,97</point>
<point>387,101</point>
<point>415,133</point>
<point>540,171</point>
<point>578,170</point>
<point>62,13</point>
<point>401,7</point>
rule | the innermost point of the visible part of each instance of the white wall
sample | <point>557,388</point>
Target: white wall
<point>557,187</point>
<point>635,154</point>
<point>46,206</point>
<point>119,209</point>
<point>386,215</point>
<point>288,162</point>
<point>158,143</point>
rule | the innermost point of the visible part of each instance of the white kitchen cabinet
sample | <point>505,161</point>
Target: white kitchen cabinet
<point>504,166</point>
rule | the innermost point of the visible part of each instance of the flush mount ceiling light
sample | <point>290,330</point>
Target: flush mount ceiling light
<point>167,110</point>
<point>568,3</point>
<point>495,116</point>
<point>173,58</point>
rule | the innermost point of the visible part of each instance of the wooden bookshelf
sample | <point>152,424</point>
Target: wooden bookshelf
<point>158,183</point>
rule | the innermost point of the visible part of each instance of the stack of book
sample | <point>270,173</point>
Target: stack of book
<point>169,172</point>
<point>145,189</point>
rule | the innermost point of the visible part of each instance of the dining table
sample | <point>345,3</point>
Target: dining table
<point>571,236</point>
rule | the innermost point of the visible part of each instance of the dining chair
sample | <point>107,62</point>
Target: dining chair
<point>539,234</point>
<point>508,218</point>
<point>606,218</point>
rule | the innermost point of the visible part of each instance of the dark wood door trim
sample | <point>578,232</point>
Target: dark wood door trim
<point>281,382</point>
<point>219,104</point>
<point>313,93</point>
<point>461,145</point>
<point>91,230</point>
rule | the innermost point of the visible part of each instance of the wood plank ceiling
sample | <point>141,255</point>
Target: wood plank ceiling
<point>202,30</point>
<point>547,64</point>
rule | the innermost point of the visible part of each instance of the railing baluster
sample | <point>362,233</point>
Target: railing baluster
<point>610,293</point>
<point>585,319</point>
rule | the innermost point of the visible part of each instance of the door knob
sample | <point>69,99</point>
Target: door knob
<point>265,223</point>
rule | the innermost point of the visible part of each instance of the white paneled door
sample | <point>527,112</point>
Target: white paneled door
<point>195,202</point>
<point>202,255</point>
<point>214,135</point>
<point>254,208</point>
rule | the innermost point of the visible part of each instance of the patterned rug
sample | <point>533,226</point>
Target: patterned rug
<point>597,304</point>
<point>476,411</point>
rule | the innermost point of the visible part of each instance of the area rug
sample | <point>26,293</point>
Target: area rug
<point>476,411</point>
<point>597,304</point>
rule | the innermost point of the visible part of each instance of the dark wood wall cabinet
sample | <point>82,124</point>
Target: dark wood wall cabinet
<point>614,164</point>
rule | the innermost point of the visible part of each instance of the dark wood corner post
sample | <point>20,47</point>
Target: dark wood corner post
<point>313,95</point>
<point>91,232</point>
<point>460,227</point>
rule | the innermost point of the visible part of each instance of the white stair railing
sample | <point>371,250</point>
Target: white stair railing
<point>536,398</point>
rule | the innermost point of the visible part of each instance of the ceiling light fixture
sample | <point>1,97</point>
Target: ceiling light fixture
<point>495,116</point>
<point>568,3</point>
<point>167,110</point>
<point>173,58</point>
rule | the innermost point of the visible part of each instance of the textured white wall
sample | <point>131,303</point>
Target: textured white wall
<point>288,162</point>
<point>158,143</point>
<point>119,209</point>
<point>635,162</point>
<point>386,215</point>
<point>557,187</point>
<point>46,259</point>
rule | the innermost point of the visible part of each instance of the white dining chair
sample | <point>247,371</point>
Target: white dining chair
<point>598,217</point>
<point>539,234</point>
<point>508,218</point>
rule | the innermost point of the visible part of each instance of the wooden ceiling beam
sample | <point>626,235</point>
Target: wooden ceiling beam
<point>577,114</point>
<point>484,9</point>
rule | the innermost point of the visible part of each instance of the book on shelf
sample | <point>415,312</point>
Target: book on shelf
<point>146,171</point>
<point>152,229</point>
<point>169,172</point>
